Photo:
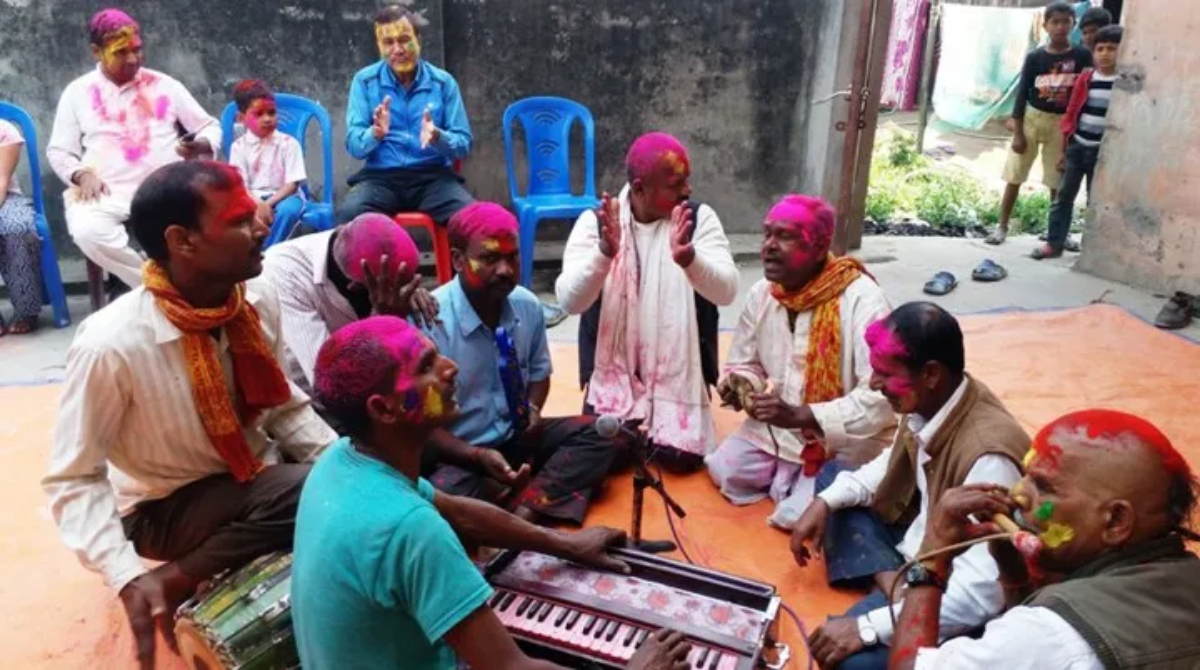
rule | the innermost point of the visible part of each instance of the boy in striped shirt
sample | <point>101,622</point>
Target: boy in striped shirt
<point>1083,128</point>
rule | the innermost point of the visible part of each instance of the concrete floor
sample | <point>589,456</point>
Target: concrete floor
<point>902,266</point>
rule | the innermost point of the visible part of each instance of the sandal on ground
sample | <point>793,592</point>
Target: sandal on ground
<point>989,271</point>
<point>1177,313</point>
<point>941,284</point>
<point>1072,246</point>
<point>1046,251</point>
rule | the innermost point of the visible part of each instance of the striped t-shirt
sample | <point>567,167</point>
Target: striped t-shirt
<point>1090,130</point>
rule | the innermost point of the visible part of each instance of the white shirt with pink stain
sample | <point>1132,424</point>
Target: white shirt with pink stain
<point>268,163</point>
<point>123,133</point>
<point>10,134</point>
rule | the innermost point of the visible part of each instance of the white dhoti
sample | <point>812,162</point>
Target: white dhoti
<point>746,474</point>
<point>98,229</point>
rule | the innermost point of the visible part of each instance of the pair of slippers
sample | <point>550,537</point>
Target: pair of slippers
<point>945,282</point>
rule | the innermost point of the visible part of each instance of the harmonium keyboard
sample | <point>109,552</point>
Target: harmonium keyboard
<point>584,618</point>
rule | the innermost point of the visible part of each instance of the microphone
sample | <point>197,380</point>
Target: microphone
<point>609,426</point>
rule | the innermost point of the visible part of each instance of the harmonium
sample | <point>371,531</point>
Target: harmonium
<point>584,618</point>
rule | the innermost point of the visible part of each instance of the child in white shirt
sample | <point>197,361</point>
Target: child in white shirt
<point>271,162</point>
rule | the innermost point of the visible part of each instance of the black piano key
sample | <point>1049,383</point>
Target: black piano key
<point>562,616</point>
<point>525,605</point>
<point>633,633</point>
<point>544,611</point>
<point>601,626</point>
<point>572,619</point>
<point>495,599</point>
<point>703,657</point>
<point>611,631</point>
<point>589,624</point>
<point>716,660</point>
<point>641,638</point>
<point>507,601</point>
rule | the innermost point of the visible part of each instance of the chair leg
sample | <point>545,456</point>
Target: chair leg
<point>95,285</point>
<point>441,254</point>
<point>528,231</point>
<point>52,286</point>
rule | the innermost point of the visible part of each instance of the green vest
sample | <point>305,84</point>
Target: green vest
<point>1137,608</point>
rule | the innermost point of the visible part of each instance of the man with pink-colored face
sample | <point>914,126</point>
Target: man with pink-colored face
<point>869,521</point>
<point>114,126</point>
<point>799,366</point>
<point>647,270</point>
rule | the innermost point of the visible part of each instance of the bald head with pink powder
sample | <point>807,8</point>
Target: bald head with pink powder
<point>370,237</point>
<point>380,355</point>
<point>108,22</point>
<point>812,219</point>
<point>481,221</point>
<point>654,151</point>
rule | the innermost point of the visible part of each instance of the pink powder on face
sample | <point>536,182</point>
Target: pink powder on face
<point>369,237</point>
<point>356,361</point>
<point>812,219</point>
<point>110,20</point>
<point>887,356</point>
<point>483,220</point>
<point>651,150</point>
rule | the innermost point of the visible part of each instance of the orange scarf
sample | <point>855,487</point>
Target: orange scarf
<point>258,378</point>
<point>823,360</point>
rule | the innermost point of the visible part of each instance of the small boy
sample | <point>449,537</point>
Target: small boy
<point>272,163</point>
<point>1046,80</point>
<point>1083,128</point>
<point>1092,20</point>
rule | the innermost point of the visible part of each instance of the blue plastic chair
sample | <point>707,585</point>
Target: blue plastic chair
<point>52,287</point>
<point>547,123</point>
<point>295,113</point>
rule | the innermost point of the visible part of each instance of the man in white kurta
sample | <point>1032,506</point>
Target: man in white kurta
<point>650,256</point>
<point>114,126</point>
<point>771,350</point>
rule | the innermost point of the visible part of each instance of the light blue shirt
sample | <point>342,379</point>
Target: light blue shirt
<point>378,576</point>
<point>463,338</point>
<point>433,89</point>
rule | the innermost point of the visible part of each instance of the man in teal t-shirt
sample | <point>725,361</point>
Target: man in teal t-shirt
<point>379,578</point>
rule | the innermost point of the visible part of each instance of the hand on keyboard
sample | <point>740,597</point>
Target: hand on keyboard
<point>665,650</point>
<point>590,547</point>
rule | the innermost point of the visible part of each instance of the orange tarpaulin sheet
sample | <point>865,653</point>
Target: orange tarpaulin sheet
<point>1041,364</point>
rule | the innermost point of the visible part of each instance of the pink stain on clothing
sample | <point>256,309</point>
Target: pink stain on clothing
<point>1111,426</point>
<point>368,238</point>
<point>161,107</point>
<point>651,150</point>
<point>812,218</point>
<point>483,220</point>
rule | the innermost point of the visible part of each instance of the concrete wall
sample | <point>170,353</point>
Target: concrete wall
<point>735,79</point>
<point>1144,228</point>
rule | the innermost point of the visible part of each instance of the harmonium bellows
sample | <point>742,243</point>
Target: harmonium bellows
<point>584,618</point>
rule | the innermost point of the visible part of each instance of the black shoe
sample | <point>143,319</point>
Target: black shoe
<point>1177,313</point>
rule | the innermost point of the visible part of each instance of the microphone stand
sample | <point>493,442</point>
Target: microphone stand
<point>643,478</point>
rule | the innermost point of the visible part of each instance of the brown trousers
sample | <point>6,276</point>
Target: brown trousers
<point>216,524</point>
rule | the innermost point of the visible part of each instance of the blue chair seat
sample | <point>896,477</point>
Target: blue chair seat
<point>52,287</point>
<point>547,124</point>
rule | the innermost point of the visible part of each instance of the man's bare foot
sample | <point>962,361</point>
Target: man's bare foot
<point>998,236</point>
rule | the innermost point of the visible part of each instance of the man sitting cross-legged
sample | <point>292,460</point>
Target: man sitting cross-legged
<point>802,331</point>
<point>379,578</point>
<point>871,520</point>
<point>175,408</point>
<point>494,330</point>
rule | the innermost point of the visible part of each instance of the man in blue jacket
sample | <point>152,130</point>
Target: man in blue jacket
<point>406,120</point>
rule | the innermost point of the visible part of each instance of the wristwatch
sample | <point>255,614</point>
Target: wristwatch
<point>867,633</point>
<point>921,575</point>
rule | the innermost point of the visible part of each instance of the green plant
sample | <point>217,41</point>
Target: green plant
<point>1033,211</point>
<point>902,152</point>
<point>946,198</point>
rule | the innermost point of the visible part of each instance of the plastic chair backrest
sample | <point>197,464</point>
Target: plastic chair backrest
<point>295,113</point>
<point>547,123</point>
<point>19,117</point>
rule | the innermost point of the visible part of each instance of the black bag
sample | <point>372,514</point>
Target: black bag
<point>707,317</point>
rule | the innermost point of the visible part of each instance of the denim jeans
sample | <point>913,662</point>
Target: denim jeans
<point>1080,163</point>
<point>436,192</point>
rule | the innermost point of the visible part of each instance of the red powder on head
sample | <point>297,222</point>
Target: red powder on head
<point>652,150</point>
<point>1111,426</point>
<point>366,358</point>
<point>238,204</point>
<point>485,221</point>
<point>108,21</point>
<point>888,354</point>
<point>812,218</point>
<point>369,237</point>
